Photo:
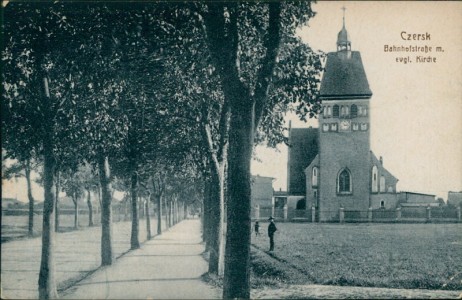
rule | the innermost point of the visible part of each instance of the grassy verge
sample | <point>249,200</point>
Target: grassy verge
<point>421,256</point>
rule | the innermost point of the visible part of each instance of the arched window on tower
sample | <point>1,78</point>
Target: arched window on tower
<point>375,181</point>
<point>336,111</point>
<point>314,176</point>
<point>382,184</point>
<point>347,111</point>
<point>344,182</point>
<point>354,111</point>
<point>329,112</point>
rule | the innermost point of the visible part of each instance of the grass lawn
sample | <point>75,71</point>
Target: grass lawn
<point>374,255</point>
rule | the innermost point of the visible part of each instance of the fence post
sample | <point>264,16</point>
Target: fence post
<point>429,213</point>
<point>398,213</point>
<point>369,214</point>
<point>313,214</point>
<point>341,215</point>
<point>257,212</point>
<point>458,213</point>
<point>285,212</point>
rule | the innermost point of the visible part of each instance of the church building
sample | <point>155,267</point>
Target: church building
<point>332,166</point>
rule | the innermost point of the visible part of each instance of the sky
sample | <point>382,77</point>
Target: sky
<point>416,108</point>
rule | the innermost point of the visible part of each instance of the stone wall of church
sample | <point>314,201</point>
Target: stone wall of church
<point>339,150</point>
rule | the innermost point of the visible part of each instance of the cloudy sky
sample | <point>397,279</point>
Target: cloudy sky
<point>416,108</point>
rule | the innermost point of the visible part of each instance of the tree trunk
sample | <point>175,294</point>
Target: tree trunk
<point>134,240</point>
<point>148,219</point>
<point>76,211</point>
<point>175,212</point>
<point>214,222</point>
<point>107,254</point>
<point>166,212</point>
<point>47,280</point>
<point>159,214</point>
<point>237,263</point>
<point>90,209</point>
<point>31,200</point>
<point>58,185</point>
<point>206,214</point>
<point>185,211</point>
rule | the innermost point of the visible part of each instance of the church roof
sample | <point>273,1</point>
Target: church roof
<point>303,148</point>
<point>344,77</point>
<point>382,169</point>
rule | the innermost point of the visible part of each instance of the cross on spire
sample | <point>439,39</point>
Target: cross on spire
<point>343,8</point>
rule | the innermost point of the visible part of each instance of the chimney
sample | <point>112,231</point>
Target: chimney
<point>381,160</point>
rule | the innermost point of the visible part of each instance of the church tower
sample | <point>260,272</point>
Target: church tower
<point>344,133</point>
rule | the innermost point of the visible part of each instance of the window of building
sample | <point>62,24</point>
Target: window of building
<point>382,203</point>
<point>333,127</point>
<point>329,111</point>
<point>315,194</point>
<point>336,111</point>
<point>325,127</point>
<point>365,111</point>
<point>375,182</point>
<point>354,111</point>
<point>382,184</point>
<point>314,177</point>
<point>344,182</point>
<point>324,111</point>
<point>347,111</point>
<point>355,126</point>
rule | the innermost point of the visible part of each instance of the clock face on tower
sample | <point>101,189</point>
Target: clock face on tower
<point>345,125</point>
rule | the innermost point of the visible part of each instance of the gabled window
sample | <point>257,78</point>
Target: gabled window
<point>344,184</point>
<point>336,111</point>
<point>375,182</point>
<point>354,111</point>
<point>382,184</point>
<point>314,176</point>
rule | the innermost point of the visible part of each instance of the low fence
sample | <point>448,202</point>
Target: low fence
<point>400,214</point>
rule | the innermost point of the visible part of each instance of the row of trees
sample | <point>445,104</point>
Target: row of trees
<point>165,98</point>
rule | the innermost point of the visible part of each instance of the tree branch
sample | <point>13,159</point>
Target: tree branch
<point>271,43</point>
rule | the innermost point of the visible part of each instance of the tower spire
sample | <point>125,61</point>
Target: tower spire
<point>343,40</point>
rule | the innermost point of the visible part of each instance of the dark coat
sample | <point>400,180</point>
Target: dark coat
<point>271,229</point>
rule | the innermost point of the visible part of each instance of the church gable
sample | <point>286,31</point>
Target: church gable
<point>383,181</point>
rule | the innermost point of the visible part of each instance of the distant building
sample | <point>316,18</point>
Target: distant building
<point>455,199</point>
<point>12,203</point>
<point>279,199</point>
<point>408,199</point>
<point>262,191</point>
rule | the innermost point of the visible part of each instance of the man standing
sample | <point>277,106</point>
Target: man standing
<point>257,228</point>
<point>271,230</point>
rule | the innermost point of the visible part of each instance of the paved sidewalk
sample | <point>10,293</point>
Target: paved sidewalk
<point>167,267</point>
<point>77,254</point>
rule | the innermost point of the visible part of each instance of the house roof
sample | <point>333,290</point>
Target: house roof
<point>344,77</point>
<point>303,148</point>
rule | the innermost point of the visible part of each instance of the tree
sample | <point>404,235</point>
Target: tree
<point>231,30</point>
<point>24,169</point>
